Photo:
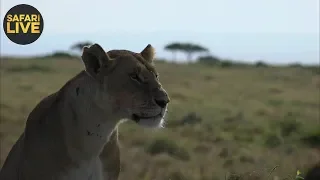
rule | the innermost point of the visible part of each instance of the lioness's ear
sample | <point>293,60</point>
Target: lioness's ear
<point>148,53</point>
<point>94,57</point>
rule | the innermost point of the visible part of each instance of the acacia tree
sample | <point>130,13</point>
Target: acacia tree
<point>190,49</point>
<point>173,48</point>
<point>78,46</point>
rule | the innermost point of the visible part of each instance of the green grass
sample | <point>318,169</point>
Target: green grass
<point>250,119</point>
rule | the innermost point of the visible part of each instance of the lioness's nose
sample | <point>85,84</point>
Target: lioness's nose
<point>162,102</point>
<point>161,97</point>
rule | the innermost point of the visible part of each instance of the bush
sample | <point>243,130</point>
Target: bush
<point>226,63</point>
<point>191,119</point>
<point>228,163</point>
<point>314,69</point>
<point>246,159</point>
<point>177,175</point>
<point>60,54</point>
<point>312,138</point>
<point>30,68</point>
<point>273,140</point>
<point>224,153</point>
<point>261,64</point>
<point>289,126</point>
<point>163,145</point>
<point>208,60</point>
<point>296,65</point>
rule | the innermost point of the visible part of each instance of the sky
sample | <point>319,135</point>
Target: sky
<point>276,31</point>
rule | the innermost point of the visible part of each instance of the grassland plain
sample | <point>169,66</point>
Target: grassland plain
<point>249,119</point>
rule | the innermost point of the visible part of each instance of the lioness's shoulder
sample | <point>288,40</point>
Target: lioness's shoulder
<point>40,111</point>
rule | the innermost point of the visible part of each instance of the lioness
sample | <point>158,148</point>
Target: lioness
<point>69,131</point>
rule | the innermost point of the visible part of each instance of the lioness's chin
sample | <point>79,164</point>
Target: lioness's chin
<point>150,122</point>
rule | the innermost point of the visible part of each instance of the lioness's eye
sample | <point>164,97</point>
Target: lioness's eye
<point>135,77</point>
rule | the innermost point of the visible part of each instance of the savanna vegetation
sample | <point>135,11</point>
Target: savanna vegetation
<point>226,119</point>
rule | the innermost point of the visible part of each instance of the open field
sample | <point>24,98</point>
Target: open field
<point>247,119</point>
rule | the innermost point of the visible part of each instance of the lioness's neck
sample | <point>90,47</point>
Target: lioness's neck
<point>88,126</point>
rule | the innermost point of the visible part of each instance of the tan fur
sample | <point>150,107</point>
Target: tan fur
<point>72,133</point>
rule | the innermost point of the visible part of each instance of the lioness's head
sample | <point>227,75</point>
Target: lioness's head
<point>130,82</point>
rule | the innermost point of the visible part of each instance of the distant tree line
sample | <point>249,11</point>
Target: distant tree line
<point>190,49</point>
<point>187,48</point>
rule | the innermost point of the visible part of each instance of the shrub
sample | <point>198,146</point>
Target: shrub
<point>228,163</point>
<point>273,140</point>
<point>314,69</point>
<point>208,60</point>
<point>57,55</point>
<point>295,65</point>
<point>191,119</point>
<point>164,145</point>
<point>224,152</point>
<point>177,175</point>
<point>61,54</point>
<point>312,138</point>
<point>261,64</point>
<point>246,159</point>
<point>226,63</point>
<point>30,68</point>
<point>289,126</point>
